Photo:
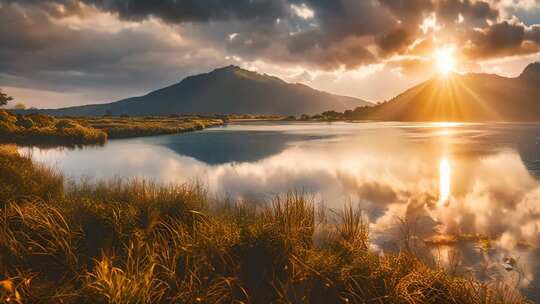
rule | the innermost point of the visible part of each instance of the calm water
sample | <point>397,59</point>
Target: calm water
<point>441,179</point>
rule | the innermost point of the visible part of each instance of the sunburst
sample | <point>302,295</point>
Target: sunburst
<point>445,60</point>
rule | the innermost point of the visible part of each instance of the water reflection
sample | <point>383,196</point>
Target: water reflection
<point>222,146</point>
<point>444,181</point>
<point>401,174</point>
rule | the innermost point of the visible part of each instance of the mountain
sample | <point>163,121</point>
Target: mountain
<point>228,90</point>
<point>468,97</point>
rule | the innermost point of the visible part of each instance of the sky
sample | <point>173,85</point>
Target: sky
<point>56,53</point>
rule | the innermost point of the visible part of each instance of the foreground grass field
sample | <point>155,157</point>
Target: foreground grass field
<point>139,242</point>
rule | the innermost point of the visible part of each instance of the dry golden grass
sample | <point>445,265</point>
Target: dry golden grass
<point>125,127</point>
<point>20,178</point>
<point>43,130</point>
<point>140,242</point>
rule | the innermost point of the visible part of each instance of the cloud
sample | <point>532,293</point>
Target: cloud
<point>40,51</point>
<point>168,10</point>
<point>137,45</point>
<point>194,10</point>
<point>302,11</point>
<point>533,33</point>
<point>505,38</point>
<point>395,41</point>
<point>498,37</point>
<point>409,12</point>
<point>476,13</point>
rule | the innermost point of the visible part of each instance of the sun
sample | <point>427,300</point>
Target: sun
<point>445,60</point>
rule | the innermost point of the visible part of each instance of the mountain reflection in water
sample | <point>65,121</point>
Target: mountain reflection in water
<point>468,190</point>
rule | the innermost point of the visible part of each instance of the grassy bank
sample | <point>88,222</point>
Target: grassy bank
<point>139,242</point>
<point>45,130</point>
<point>125,127</point>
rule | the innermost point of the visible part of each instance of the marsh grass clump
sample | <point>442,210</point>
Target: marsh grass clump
<point>134,241</point>
<point>132,280</point>
<point>21,178</point>
<point>353,228</point>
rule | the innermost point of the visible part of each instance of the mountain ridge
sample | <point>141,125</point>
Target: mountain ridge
<point>226,90</point>
<point>466,97</point>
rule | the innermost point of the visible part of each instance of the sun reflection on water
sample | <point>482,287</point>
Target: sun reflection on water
<point>444,181</point>
<point>446,124</point>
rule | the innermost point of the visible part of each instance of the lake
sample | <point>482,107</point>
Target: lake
<point>469,192</point>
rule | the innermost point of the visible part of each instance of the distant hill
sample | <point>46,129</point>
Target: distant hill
<point>228,90</point>
<point>469,97</point>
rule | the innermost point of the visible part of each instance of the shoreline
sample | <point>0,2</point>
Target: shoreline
<point>47,131</point>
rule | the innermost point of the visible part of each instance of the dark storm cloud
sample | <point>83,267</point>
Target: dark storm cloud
<point>533,33</point>
<point>193,10</point>
<point>476,13</point>
<point>351,17</point>
<point>395,41</point>
<point>39,53</point>
<point>267,29</point>
<point>169,10</point>
<point>503,39</point>
<point>411,11</point>
<point>500,36</point>
<point>336,36</point>
<point>271,30</point>
<point>340,24</point>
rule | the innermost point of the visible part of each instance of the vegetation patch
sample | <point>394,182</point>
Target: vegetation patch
<point>125,127</point>
<point>43,130</point>
<point>46,130</point>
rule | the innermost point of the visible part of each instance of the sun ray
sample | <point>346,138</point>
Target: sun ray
<point>487,109</point>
